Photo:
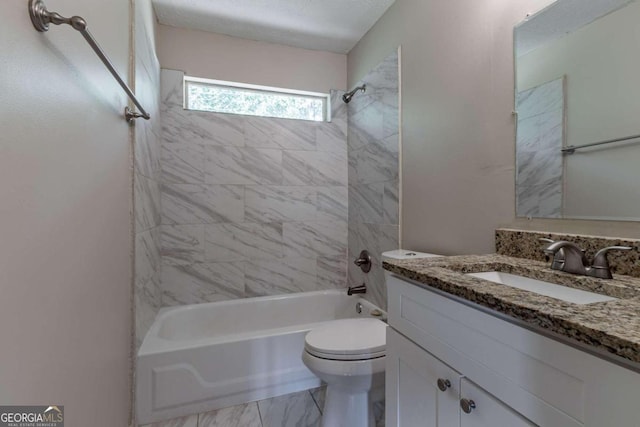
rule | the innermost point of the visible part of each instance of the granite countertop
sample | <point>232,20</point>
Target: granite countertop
<point>612,326</point>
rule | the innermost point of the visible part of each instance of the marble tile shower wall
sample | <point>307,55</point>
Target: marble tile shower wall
<point>251,206</point>
<point>373,153</point>
<point>539,162</point>
<point>147,292</point>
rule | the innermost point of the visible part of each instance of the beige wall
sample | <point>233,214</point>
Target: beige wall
<point>602,99</point>
<point>458,131</point>
<point>65,187</point>
<point>216,56</point>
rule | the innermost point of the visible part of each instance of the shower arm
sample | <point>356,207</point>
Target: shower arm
<point>347,96</point>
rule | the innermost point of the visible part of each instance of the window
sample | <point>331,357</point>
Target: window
<point>236,98</point>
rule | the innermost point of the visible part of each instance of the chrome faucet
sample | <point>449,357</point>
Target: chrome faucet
<point>575,260</point>
<point>558,257</point>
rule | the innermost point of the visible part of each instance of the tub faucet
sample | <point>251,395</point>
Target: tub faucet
<point>364,261</point>
<point>362,289</point>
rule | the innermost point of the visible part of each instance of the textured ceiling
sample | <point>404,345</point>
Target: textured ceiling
<point>561,18</point>
<point>330,25</point>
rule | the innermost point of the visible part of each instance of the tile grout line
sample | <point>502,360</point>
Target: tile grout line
<point>316,402</point>
<point>259,414</point>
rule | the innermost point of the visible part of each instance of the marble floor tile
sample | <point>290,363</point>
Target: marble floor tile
<point>190,421</point>
<point>293,410</point>
<point>246,415</point>
<point>379,413</point>
<point>318,395</point>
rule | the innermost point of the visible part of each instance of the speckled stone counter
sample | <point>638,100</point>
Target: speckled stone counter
<point>526,244</point>
<point>612,326</point>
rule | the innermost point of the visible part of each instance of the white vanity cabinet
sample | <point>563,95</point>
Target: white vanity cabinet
<point>423,391</point>
<point>514,376</point>
<point>414,379</point>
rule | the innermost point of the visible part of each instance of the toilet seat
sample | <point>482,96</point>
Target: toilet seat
<point>348,339</point>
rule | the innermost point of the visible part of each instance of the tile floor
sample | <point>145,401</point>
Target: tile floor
<point>303,409</point>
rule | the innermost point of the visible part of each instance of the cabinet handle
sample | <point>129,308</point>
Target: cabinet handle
<point>443,385</point>
<point>467,405</point>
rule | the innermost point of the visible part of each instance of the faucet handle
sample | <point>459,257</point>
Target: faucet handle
<point>544,239</point>
<point>600,267</point>
<point>600,260</point>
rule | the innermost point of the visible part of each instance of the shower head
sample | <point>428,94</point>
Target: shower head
<point>347,96</point>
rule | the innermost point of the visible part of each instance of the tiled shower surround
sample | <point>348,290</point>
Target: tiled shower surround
<point>147,293</point>
<point>373,150</point>
<point>251,206</point>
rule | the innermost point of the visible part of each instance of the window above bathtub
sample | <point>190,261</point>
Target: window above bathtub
<point>237,98</point>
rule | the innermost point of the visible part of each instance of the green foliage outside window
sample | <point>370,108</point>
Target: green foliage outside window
<point>223,99</point>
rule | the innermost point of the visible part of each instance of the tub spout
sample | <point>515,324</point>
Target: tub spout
<point>362,289</point>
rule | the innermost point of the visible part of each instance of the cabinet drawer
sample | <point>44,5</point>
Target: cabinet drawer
<point>527,371</point>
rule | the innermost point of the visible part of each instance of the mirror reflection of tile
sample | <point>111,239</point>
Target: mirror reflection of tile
<point>539,163</point>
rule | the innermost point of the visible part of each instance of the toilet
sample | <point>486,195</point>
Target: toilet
<point>348,355</point>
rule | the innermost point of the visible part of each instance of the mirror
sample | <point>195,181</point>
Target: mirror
<point>578,83</point>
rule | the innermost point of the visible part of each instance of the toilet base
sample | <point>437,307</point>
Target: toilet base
<point>344,408</point>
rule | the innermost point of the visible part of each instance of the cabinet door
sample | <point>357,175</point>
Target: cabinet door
<point>414,397</point>
<point>488,411</point>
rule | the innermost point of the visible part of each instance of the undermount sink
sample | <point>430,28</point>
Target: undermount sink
<point>564,293</point>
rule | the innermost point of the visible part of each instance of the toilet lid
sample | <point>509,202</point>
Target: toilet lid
<point>348,339</point>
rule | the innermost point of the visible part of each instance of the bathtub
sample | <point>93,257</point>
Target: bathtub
<point>202,357</point>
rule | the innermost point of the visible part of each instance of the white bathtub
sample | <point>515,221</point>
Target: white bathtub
<point>203,357</point>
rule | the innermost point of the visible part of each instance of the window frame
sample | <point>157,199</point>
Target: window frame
<point>324,97</point>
